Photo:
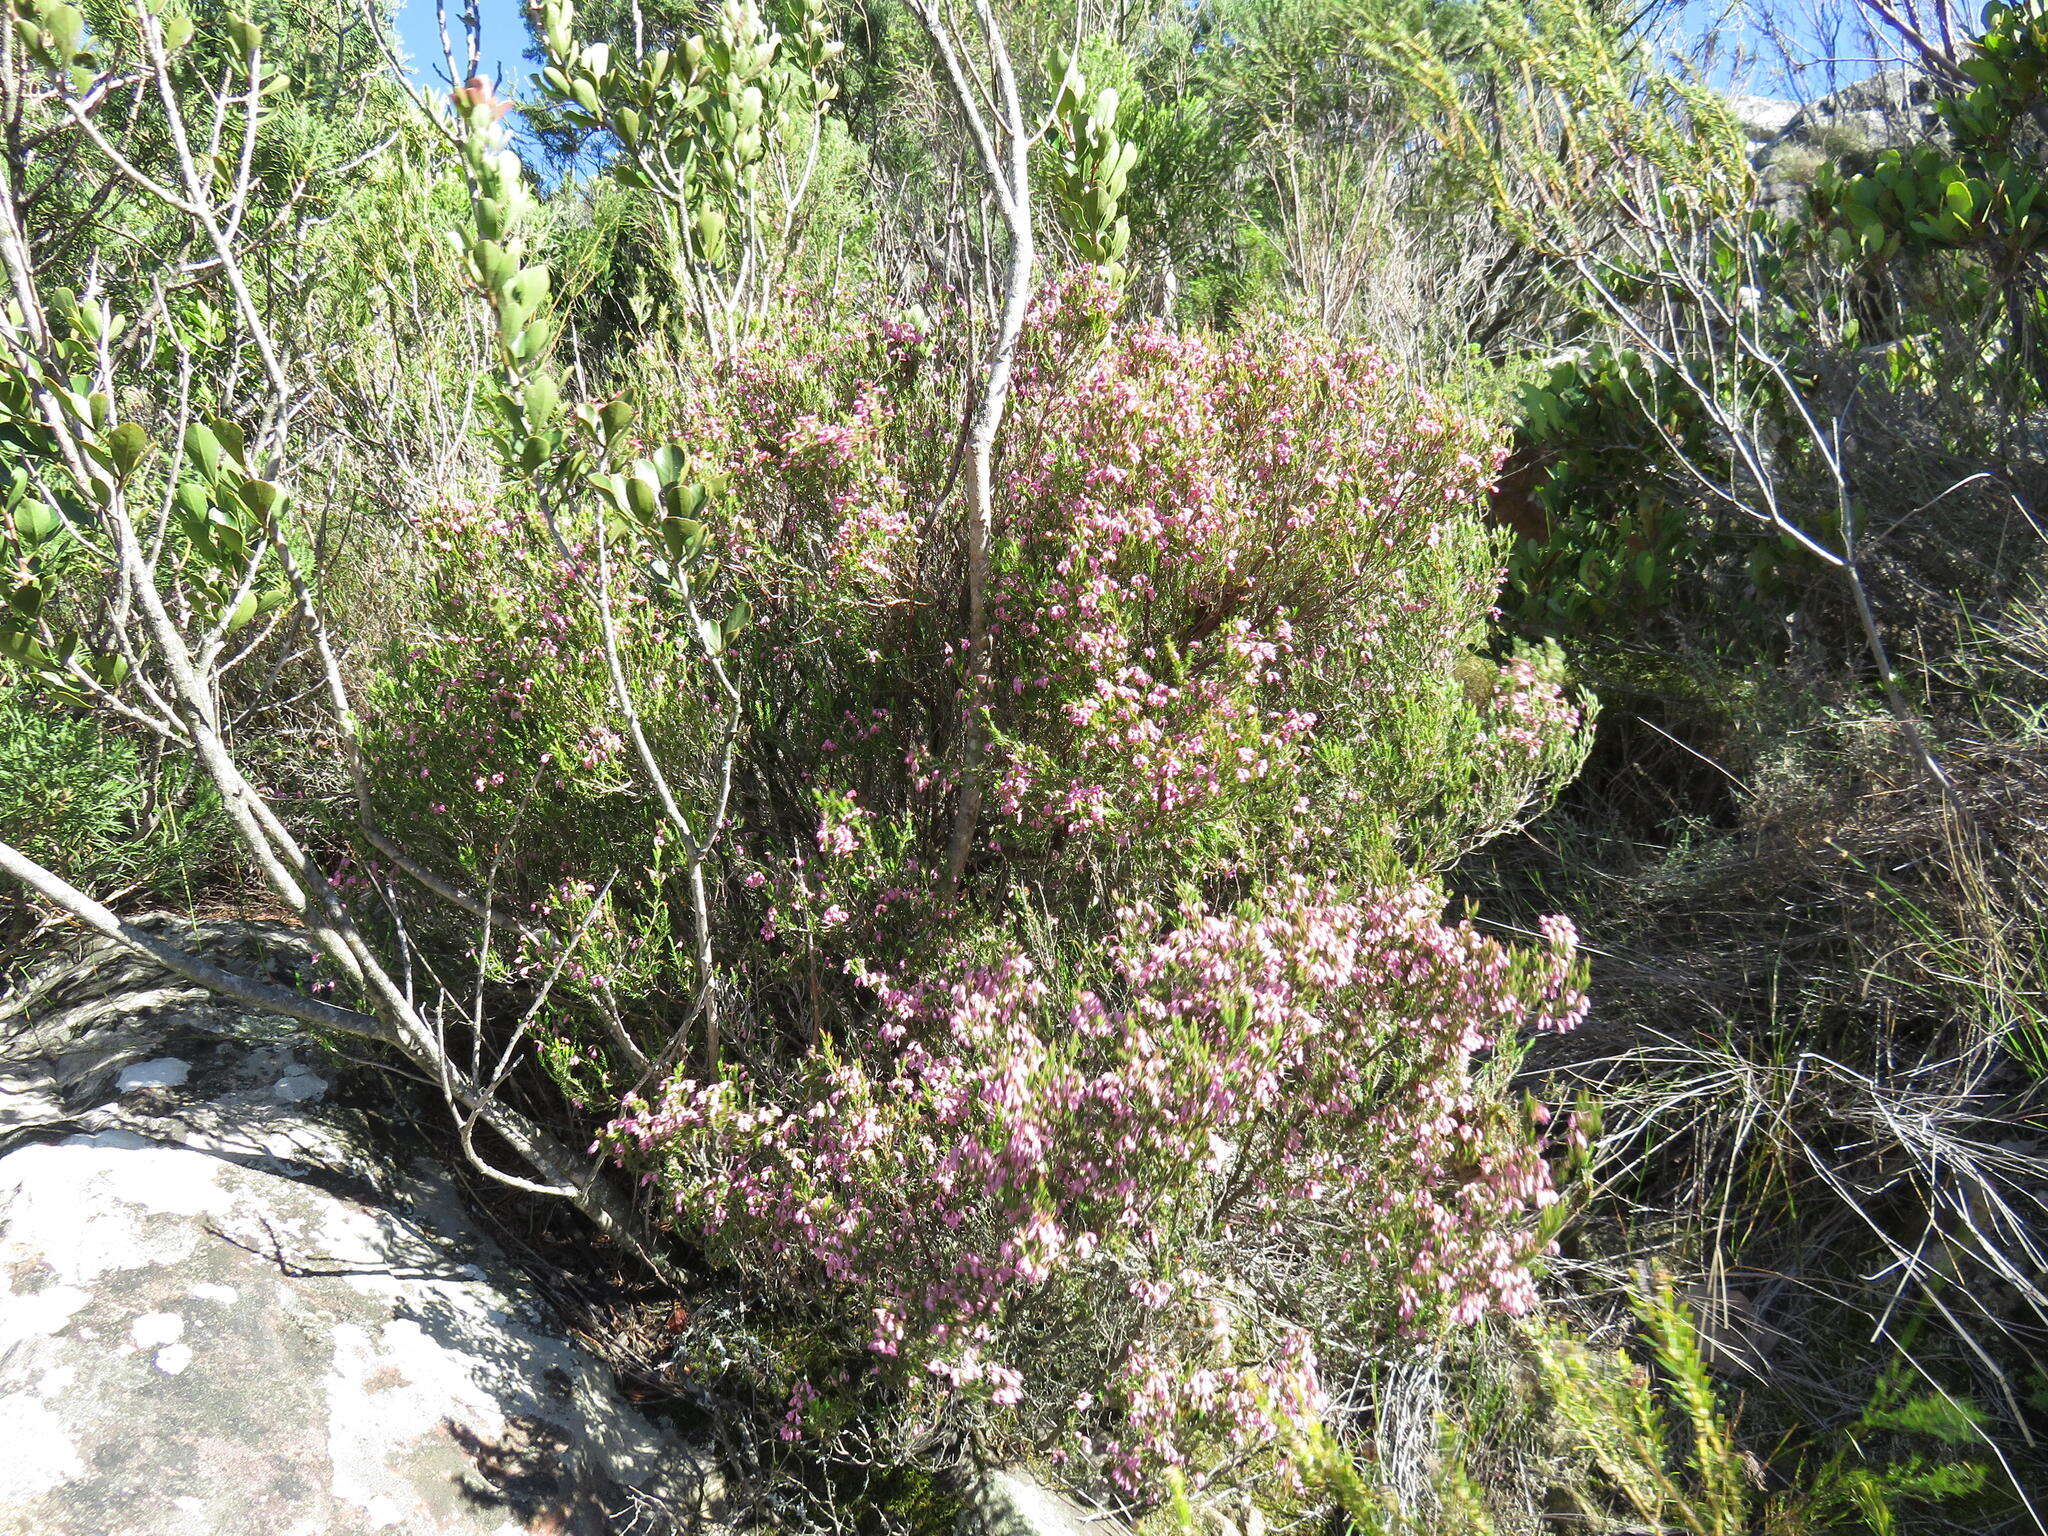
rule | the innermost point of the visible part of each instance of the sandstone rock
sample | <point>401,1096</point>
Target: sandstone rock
<point>231,1305</point>
<point>1763,117</point>
<point>1846,129</point>
<point>1009,1501</point>
<point>1891,110</point>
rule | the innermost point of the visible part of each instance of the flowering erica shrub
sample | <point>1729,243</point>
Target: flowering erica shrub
<point>1241,578</point>
<point>1040,1199</point>
<point>1186,1086</point>
<point>495,745</point>
<point>1241,592</point>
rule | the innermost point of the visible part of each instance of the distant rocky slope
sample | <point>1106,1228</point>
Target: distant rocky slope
<point>1849,128</point>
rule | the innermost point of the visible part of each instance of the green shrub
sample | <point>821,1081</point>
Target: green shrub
<point>83,797</point>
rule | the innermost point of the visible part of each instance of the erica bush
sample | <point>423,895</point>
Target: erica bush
<point>1241,581</point>
<point>1240,607</point>
<point>1094,1210</point>
<point>1186,1085</point>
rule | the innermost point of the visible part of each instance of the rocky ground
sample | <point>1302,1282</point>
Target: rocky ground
<point>240,1296</point>
<point>232,1304</point>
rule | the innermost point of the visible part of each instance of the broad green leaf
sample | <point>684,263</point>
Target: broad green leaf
<point>543,401</point>
<point>231,436</point>
<point>37,522</point>
<point>261,497</point>
<point>643,492</point>
<point>126,444</point>
<point>65,25</point>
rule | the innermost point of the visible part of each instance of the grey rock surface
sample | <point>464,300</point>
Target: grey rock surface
<point>1889,110</point>
<point>232,1306</point>
<point>1848,129</point>
<point>1763,117</point>
<point>1011,1501</point>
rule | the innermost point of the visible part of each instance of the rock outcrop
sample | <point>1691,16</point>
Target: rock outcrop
<point>1763,118</point>
<point>234,1303</point>
<point>1011,1501</point>
<point>1847,129</point>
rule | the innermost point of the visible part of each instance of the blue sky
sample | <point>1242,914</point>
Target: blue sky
<point>503,31</point>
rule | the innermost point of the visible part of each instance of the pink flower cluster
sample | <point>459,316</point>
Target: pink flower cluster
<point>1216,544</point>
<point>1166,1404</point>
<point>1231,577</point>
<point>1240,589</point>
<point>1003,1147</point>
<point>1531,715</point>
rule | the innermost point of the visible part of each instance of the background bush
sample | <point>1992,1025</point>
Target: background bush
<point>77,794</point>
